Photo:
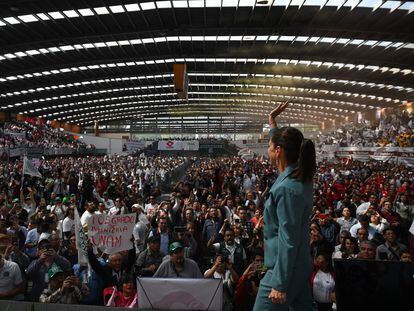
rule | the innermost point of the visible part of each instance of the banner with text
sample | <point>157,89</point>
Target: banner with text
<point>132,146</point>
<point>111,233</point>
<point>170,145</point>
<point>393,154</point>
<point>179,294</point>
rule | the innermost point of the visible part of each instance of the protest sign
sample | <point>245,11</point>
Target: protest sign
<point>111,233</point>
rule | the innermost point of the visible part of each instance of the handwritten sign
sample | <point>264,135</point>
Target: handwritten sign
<point>111,233</point>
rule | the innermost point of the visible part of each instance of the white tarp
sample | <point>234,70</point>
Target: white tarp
<point>180,294</point>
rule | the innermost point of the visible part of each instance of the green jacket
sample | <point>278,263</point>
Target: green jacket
<point>286,232</point>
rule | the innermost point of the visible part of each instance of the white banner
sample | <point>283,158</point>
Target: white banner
<point>29,168</point>
<point>191,145</point>
<point>170,145</point>
<point>81,240</point>
<point>111,233</point>
<point>132,146</point>
<point>393,154</point>
<point>180,294</point>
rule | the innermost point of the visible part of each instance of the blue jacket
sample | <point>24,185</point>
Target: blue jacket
<point>286,232</point>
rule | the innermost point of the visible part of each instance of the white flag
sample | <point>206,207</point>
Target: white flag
<point>29,169</point>
<point>81,240</point>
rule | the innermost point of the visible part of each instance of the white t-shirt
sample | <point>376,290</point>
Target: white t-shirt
<point>10,277</point>
<point>323,286</point>
<point>68,225</point>
<point>86,216</point>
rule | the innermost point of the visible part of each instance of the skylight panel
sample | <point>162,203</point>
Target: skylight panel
<point>371,4</point>
<point>335,3</point>
<point>101,10</point>
<point>43,16</point>
<point>53,49</point>
<point>32,52</point>
<point>133,7</point>
<point>179,4</point>
<point>246,3</point>
<point>370,42</point>
<point>147,6</point>
<point>407,6</point>
<point>10,56</point>
<point>356,41</point>
<point>71,13</point>
<point>229,3</point>
<point>213,3</point>
<point>11,20</point>
<point>116,9</point>
<point>86,12</point>
<point>67,48</point>
<point>296,3</point>
<point>196,3</point>
<point>351,3</point>
<point>88,45</point>
<point>384,43</point>
<point>287,38</point>
<point>56,15</point>
<point>391,5</point>
<point>100,44</point>
<point>327,40</point>
<point>314,3</point>
<point>29,18</point>
<point>164,4</point>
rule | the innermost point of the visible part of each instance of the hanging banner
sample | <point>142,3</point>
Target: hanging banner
<point>111,233</point>
<point>191,145</point>
<point>132,146</point>
<point>170,145</point>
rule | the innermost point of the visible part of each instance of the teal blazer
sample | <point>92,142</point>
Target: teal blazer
<point>286,233</point>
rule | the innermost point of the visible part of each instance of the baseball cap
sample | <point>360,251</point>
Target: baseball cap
<point>174,246</point>
<point>57,199</point>
<point>53,270</point>
<point>15,200</point>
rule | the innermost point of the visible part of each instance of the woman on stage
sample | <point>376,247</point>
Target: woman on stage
<point>286,221</point>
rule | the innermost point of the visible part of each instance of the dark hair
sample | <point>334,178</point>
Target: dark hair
<point>353,240</point>
<point>297,149</point>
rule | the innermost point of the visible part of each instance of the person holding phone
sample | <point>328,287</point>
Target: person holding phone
<point>286,218</point>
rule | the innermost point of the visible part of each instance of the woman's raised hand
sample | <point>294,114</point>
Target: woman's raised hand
<point>275,112</point>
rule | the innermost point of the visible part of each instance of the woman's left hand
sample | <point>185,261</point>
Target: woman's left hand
<point>277,297</point>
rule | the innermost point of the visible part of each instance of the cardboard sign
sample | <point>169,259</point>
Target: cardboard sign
<point>111,233</point>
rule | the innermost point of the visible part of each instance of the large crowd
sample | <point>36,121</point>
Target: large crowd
<point>33,133</point>
<point>393,130</point>
<point>208,225</point>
